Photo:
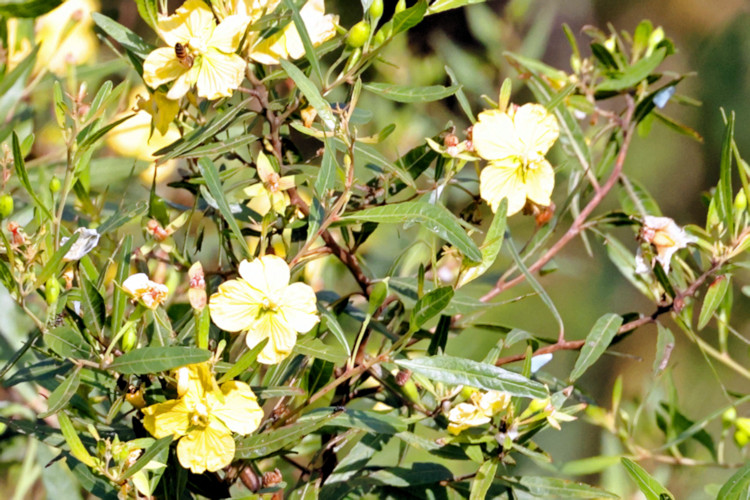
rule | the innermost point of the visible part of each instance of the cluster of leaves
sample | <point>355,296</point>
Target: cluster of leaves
<point>368,401</point>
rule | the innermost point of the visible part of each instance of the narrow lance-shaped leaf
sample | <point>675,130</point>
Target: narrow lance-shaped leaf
<point>738,486</point>
<point>119,297</point>
<point>649,486</point>
<point>597,341</point>
<point>23,176</point>
<point>74,442</point>
<point>311,92</point>
<point>27,8</point>
<point>714,296</point>
<point>436,219</point>
<point>157,359</point>
<point>51,267</point>
<point>244,362</point>
<point>261,445</point>
<point>635,73</point>
<point>408,93</point>
<point>148,455</point>
<point>493,242</point>
<point>62,394</point>
<point>723,197</point>
<point>429,306</point>
<point>123,35</point>
<point>460,371</point>
<point>553,487</point>
<point>483,480</point>
<point>443,5</point>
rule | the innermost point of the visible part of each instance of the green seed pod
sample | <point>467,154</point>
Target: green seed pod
<point>729,416</point>
<point>51,290</point>
<point>6,205</point>
<point>376,9</point>
<point>411,391</point>
<point>378,39</point>
<point>740,201</point>
<point>741,438</point>
<point>129,339</point>
<point>358,34</point>
<point>55,185</point>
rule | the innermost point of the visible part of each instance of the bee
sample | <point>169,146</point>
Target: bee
<point>182,55</point>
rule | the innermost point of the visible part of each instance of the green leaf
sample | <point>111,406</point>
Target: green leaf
<point>219,148</point>
<point>160,328</point>
<point>244,362</point>
<point>597,341</point>
<point>407,93</point>
<point>23,176</point>
<point>60,396</point>
<point>738,486</point>
<point>649,486</point>
<point>157,359</point>
<point>714,297</point>
<point>635,74</point>
<point>327,176</point>
<point>119,297</point>
<point>149,12</point>
<point>67,342</point>
<point>443,5</point>
<point>334,327</point>
<point>93,138</point>
<point>74,442</point>
<point>366,420</point>
<point>552,487</point>
<point>723,198</point>
<point>591,465</point>
<point>315,348</point>
<point>148,455</point>
<point>261,445</point>
<point>460,371</point>
<point>407,19</point>
<point>638,201</point>
<point>27,8</point>
<point>483,480</point>
<point>490,249</point>
<point>417,474</point>
<point>123,35</point>
<point>51,267</point>
<point>311,92</point>
<point>429,306</point>
<point>123,216</point>
<point>664,346</point>
<point>213,183</point>
<point>434,218</point>
<point>94,310</point>
<point>299,24</point>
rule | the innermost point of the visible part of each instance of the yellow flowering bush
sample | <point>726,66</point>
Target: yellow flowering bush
<point>262,249</point>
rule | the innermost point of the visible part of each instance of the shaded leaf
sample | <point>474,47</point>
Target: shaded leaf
<point>27,8</point>
<point>738,486</point>
<point>67,342</point>
<point>649,486</point>
<point>714,297</point>
<point>60,396</point>
<point>261,445</point>
<point>157,359</point>
<point>552,487</point>
<point>429,306</point>
<point>635,73</point>
<point>408,93</point>
<point>597,341</point>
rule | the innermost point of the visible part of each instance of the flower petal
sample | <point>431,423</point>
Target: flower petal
<point>219,74</point>
<point>281,338</point>
<point>502,179</point>
<point>170,418</point>
<point>228,34</point>
<point>162,66</point>
<point>192,19</point>
<point>268,274</point>
<point>183,84</point>
<point>494,136</point>
<point>240,411</point>
<point>206,449</point>
<point>536,127</point>
<point>298,306</point>
<point>540,181</point>
<point>235,306</point>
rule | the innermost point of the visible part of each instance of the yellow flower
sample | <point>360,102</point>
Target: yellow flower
<point>491,402</point>
<point>60,48</point>
<point>269,193</point>
<point>514,143</point>
<point>286,43</point>
<point>666,236</point>
<point>465,415</point>
<point>263,302</point>
<point>204,417</point>
<point>199,53</point>
<point>150,293</point>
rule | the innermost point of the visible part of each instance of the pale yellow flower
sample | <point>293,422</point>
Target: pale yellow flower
<point>286,43</point>
<point>515,143</point>
<point>59,48</point>
<point>204,418</point>
<point>149,293</point>
<point>205,56</point>
<point>491,402</point>
<point>270,193</point>
<point>666,237</point>
<point>465,415</point>
<point>263,303</point>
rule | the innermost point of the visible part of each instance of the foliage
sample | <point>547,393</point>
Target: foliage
<point>271,315</point>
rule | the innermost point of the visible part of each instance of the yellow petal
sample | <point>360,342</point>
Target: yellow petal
<point>286,182</point>
<point>268,274</point>
<point>540,181</point>
<point>235,306</point>
<point>494,136</point>
<point>502,179</point>
<point>162,66</point>
<point>281,338</point>
<point>298,307</point>
<point>228,34</point>
<point>192,19</point>
<point>219,74</point>
<point>536,127</point>
<point>206,449</point>
<point>240,411</point>
<point>170,418</point>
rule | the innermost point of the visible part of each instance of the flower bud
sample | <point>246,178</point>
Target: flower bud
<point>378,39</point>
<point>358,34</point>
<point>197,291</point>
<point>51,290</point>
<point>740,201</point>
<point>400,6</point>
<point>376,9</point>
<point>129,339</point>
<point>6,205</point>
<point>55,185</point>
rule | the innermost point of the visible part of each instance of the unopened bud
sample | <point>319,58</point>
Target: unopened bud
<point>272,478</point>
<point>197,291</point>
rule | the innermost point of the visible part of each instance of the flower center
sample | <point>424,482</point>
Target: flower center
<point>272,182</point>
<point>200,415</point>
<point>268,305</point>
<point>197,45</point>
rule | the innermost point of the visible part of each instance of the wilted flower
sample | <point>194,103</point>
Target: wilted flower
<point>197,291</point>
<point>199,53</point>
<point>270,193</point>
<point>204,417</point>
<point>142,289</point>
<point>263,303</point>
<point>666,237</point>
<point>515,143</point>
<point>86,242</point>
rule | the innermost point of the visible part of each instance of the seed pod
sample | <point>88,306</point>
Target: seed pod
<point>358,34</point>
<point>51,290</point>
<point>129,339</point>
<point>55,185</point>
<point>6,205</point>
